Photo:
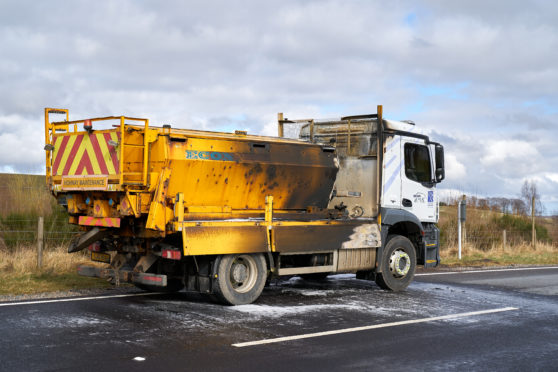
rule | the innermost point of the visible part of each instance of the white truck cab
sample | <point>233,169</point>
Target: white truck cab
<point>410,172</point>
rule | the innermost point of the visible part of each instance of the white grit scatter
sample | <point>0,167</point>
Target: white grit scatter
<point>278,311</point>
<point>293,279</point>
<point>62,321</point>
<point>81,321</point>
<point>342,276</point>
<point>315,293</point>
<point>308,292</point>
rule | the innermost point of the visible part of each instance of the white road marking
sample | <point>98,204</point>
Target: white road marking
<point>486,271</point>
<point>375,326</point>
<point>77,299</point>
<point>139,359</point>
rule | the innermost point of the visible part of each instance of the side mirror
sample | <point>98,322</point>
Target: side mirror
<point>440,170</point>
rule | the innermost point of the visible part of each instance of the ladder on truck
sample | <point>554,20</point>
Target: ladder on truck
<point>131,177</point>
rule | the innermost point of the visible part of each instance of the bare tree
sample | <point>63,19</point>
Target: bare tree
<point>472,201</point>
<point>506,205</point>
<point>494,204</point>
<point>518,207</point>
<point>483,204</point>
<point>528,191</point>
<point>500,204</point>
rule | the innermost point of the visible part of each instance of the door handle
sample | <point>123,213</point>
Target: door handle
<point>407,203</point>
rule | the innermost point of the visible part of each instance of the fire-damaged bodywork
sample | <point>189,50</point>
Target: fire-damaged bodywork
<point>221,212</point>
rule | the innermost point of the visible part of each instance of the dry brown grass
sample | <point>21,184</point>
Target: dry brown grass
<point>484,230</point>
<point>23,260</point>
<point>543,254</point>
<point>22,199</point>
<point>483,239</point>
<point>19,273</point>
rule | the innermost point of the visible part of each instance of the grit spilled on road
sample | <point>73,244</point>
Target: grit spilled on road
<point>474,320</point>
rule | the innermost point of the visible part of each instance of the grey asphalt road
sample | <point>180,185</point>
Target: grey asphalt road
<point>489,320</point>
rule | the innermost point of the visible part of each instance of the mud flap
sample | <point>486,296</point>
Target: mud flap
<point>84,240</point>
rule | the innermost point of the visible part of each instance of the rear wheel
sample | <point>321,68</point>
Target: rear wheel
<point>239,279</point>
<point>398,264</point>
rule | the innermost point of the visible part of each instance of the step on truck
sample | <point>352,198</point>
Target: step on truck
<point>221,213</point>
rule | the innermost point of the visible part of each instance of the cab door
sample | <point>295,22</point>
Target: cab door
<point>418,191</point>
<point>393,163</point>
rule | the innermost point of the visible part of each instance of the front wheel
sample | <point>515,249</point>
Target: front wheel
<point>398,264</point>
<point>239,279</point>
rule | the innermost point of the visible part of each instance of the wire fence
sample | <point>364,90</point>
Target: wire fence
<point>24,231</point>
<point>23,236</point>
<point>23,200</point>
<point>485,239</point>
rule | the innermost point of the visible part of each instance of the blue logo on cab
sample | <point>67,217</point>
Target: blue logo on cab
<point>431,196</point>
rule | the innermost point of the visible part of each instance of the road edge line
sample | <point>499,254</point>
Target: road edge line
<point>76,299</point>
<point>375,326</point>
<point>487,271</point>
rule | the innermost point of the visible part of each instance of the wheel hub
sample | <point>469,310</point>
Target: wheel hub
<point>239,273</point>
<point>399,263</point>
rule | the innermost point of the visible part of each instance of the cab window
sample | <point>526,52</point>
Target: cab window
<point>417,163</point>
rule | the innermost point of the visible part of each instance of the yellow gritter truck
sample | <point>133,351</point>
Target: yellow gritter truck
<point>221,213</point>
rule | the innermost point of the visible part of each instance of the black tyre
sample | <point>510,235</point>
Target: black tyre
<point>173,285</point>
<point>398,264</point>
<point>239,279</point>
<point>316,277</point>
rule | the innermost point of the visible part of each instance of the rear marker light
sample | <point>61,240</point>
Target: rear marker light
<point>95,247</point>
<point>152,278</point>
<point>171,254</point>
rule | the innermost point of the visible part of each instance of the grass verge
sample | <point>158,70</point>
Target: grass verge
<point>19,273</point>
<point>47,282</point>
<point>544,254</point>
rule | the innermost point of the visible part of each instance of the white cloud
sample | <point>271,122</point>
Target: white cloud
<point>509,153</point>
<point>455,69</point>
<point>455,169</point>
<point>20,148</point>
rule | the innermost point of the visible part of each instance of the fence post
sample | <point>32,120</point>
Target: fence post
<point>40,240</point>
<point>461,218</point>
<point>533,236</point>
<point>504,239</point>
<point>459,230</point>
<point>464,227</point>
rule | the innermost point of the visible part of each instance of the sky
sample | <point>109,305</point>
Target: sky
<point>481,77</point>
